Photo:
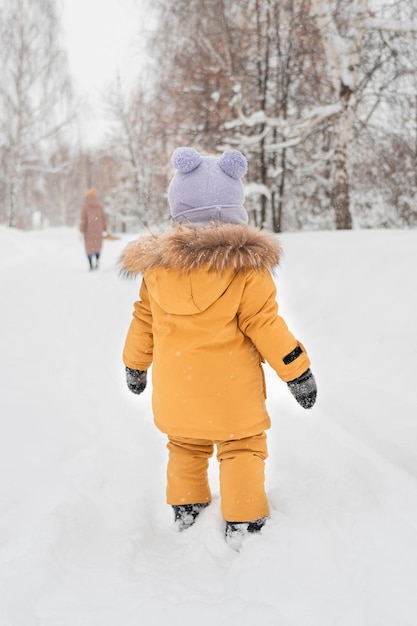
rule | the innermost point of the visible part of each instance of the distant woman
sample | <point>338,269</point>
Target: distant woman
<point>93,224</point>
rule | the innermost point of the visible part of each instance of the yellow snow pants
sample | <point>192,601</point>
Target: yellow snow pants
<point>242,475</point>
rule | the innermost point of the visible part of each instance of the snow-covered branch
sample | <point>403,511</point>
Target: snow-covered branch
<point>44,169</point>
<point>392,26</point>
<point>254,189</point>
<point>293,131</point>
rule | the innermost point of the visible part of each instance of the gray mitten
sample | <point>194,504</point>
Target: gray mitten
<point>304,389</point>
<point>136,380</point>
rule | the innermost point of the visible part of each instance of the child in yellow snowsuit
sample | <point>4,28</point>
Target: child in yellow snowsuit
<point>206,318</point>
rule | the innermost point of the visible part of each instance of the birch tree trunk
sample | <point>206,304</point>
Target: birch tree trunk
<point>342,53</point>
<point>340,197</point>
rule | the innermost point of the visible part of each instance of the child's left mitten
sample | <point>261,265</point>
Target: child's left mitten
<point>136,380</point>
<point>304,389</point>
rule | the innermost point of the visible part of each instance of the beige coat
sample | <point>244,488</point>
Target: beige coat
<point>207,317</point>
<point>92,224</point>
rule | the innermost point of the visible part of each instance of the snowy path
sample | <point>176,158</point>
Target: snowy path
<point>85,536</point>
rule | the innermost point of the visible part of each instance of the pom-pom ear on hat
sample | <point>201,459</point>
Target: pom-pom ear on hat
<point>186,160</point>
<point>233,163</point>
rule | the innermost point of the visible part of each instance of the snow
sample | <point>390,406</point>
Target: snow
<point>86,538</point>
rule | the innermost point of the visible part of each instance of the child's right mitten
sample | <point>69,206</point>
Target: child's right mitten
<point>136,380</point>
<point>304,389</point>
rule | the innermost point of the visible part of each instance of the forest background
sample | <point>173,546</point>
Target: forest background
<point>320,95</point>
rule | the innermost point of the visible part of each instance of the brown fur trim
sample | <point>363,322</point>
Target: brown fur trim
<point>218,247</point>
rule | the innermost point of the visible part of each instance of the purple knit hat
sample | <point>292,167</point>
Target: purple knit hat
<point>207,189</point>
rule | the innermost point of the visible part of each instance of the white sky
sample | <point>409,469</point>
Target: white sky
<point>101,39</point>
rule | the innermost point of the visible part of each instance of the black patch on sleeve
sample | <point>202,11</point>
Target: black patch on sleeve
<point>289,358</point>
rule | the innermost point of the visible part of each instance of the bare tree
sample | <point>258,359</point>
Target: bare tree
<point>257,57</point>
<point>316,93</point>
<point>34,95</point>
<point>279,79</point>
<point>134,145</point>
<point>359,62</point>
<point>344,27</point>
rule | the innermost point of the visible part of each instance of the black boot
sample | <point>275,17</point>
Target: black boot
<point>186,514</point>
<point>235,532</point>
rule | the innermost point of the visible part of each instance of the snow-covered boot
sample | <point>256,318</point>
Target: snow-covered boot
<point>236,532</point>
<point>186,514</point>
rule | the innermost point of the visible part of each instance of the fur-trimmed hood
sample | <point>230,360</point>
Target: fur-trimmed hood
<point>218,247</point>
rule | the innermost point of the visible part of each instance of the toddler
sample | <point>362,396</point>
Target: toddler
<point>206,319</point>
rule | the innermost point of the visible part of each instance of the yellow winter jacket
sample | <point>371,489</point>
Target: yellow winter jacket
<point>206,319</point>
